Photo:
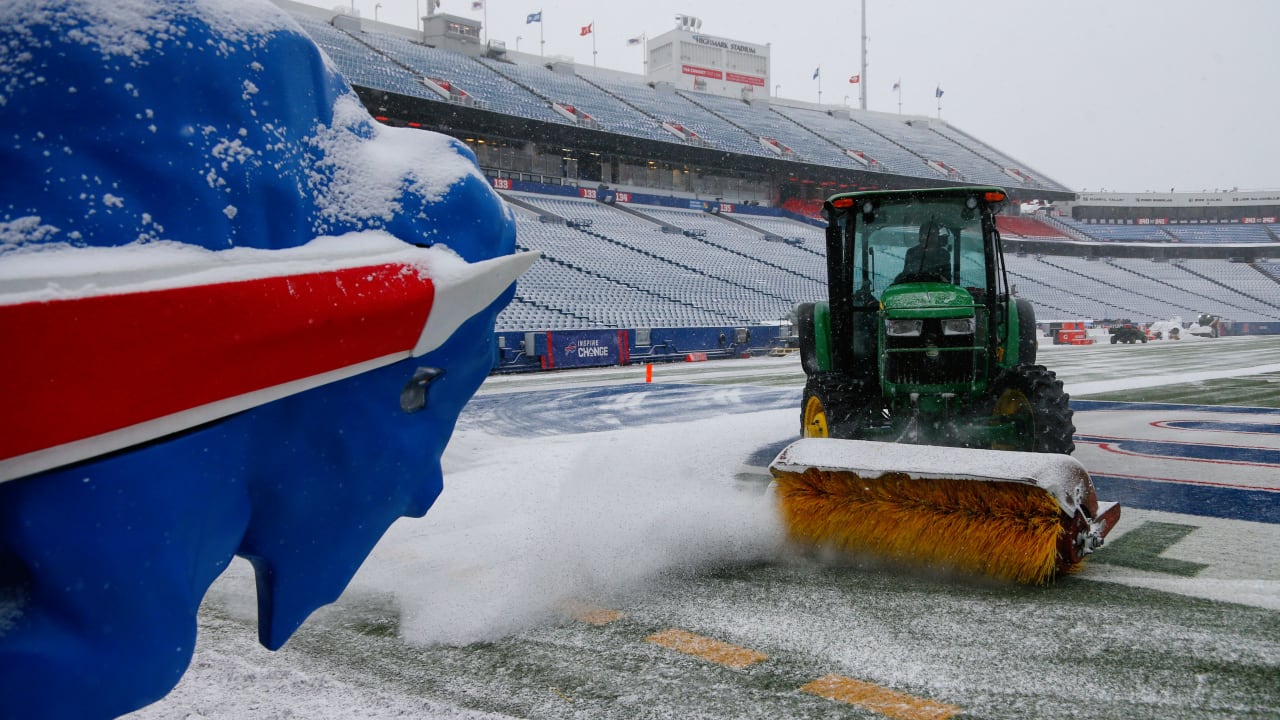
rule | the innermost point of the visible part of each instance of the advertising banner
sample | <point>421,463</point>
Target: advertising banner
<point>745,79</point>
<point>586,348</point>
<point>702,72</point>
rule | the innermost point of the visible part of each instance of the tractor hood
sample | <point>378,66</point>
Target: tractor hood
<point>919,300</point>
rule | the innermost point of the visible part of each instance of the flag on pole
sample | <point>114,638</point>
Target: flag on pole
<point>477,4</point>
<point>586,29</point>
<point>938,93</point>
<point>816,72</point>
<point>855,79</point>
<point>533,18</point>
<point>636,40</point>
<point>897,86</point>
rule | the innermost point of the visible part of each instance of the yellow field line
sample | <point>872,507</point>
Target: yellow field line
<point>706,648</point>
<point>592,614</point>
<point>899,706</point>
<point>598,616</point>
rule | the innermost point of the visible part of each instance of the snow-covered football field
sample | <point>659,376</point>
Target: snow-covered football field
<point>606,548</point>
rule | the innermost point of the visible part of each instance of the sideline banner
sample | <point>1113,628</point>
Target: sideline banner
<point>586,348</point>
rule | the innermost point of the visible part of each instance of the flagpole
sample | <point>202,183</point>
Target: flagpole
<point>938,93</point>
<point>486,25</point>
<point>899,89</point>
<point>542,42</point>
<point>862,91</point>
<point>593,42</point>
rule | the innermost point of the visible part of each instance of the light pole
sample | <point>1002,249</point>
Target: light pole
<point>376,8</point>
<point>776,89</point>
<point>518,39</point>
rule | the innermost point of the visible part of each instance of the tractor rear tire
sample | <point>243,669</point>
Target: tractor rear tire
<point>1032,396</point>
<point>1028,339</point>
<point>807,335</point>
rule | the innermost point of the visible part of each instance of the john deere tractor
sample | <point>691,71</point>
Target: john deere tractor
<point>920,340</point>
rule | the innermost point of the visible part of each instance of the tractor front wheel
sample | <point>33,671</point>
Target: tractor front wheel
<point>1030,398</point>
<point>831,408</point>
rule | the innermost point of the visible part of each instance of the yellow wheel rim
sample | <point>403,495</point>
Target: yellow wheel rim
<point>1014,404</point>
<point>815,418</point>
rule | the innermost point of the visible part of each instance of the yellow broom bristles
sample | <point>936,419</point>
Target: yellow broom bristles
<point>1003,529</point>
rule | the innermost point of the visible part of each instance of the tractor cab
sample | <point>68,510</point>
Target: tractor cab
<point>925,287</point>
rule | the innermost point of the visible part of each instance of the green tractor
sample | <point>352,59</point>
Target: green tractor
<point>920,340</point>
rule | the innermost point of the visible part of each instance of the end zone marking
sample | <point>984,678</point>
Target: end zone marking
<point>1142,547</point>
<point>706,648</point>
<point>879,699</point>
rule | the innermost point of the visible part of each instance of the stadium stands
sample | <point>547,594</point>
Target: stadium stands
<point>703,127</point>
<point>491,89</point>
<point>1027,227</point>
<point>1119,233</point>
<point>637,265</point>
<point>360,64</point>
<point>1220,233</point>
<point>798,143</point>
<point>390,62</point>
<point>595,107</point>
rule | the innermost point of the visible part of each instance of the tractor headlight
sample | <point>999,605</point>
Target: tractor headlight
<point>903,328</point>
<point>957,326</point>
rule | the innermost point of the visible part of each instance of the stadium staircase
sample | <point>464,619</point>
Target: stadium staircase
<point>706,109</point>
<point>1216,302</point>
<point>681,265</point>
<point>666,227</point>
<point>838,147</point>
<point>573,267</point>
<point>982,149</point>
<point>640,112</point>
<point>543,214</point>
<point>1068,230</point>
<point>1164,301</point>
<point>769,236</point>
<point>1229,288</point>
<point>888,139</point>
<point>739,253</point>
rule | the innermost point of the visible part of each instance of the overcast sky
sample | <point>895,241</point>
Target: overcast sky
<point>1130,95</point>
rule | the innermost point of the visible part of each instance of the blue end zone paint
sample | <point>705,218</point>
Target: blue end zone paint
<point>1236,427</point>
<point>596,409</point>
<point>1188,451</point>
<point>1091,405</point>
<point>1203,500</point>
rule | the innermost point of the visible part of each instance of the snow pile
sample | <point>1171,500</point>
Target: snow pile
<point>584,519</point>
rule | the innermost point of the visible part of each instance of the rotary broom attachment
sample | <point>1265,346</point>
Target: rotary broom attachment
<point>1016,515</point>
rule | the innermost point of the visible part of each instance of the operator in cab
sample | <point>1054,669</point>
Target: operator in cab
<point>929,259</point>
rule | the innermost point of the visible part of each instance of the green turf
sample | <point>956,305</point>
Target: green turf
<point>1250,391</point>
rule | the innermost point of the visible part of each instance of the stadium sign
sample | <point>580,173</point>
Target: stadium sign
<point>585,348</point>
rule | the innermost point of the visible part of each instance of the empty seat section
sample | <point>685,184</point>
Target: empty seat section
<point>669,106</point>
<point>760,121</point>
<point>492,89</point>
<point>358,63</point>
